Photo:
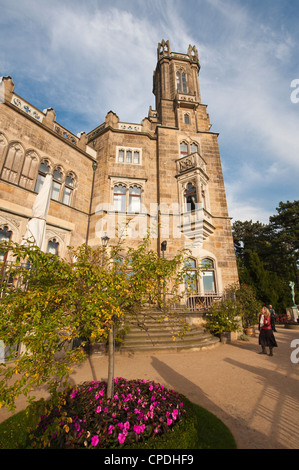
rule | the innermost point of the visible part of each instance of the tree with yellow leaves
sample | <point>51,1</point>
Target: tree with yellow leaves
<point>50,301</point>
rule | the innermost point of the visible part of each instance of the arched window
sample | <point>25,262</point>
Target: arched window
<point>183,149</point>
<point>186,119</point>
<point>119,198</point>
<point>53,247</point>
<point>191,275</point>
<point>3,144</point>
<point>190,198</point>
<point>13,162</point>
<point>56,185</point>
<point>29,170</point>
<point>68,189</point>
<point>181,82</point>
<point>193,147</point>
<point>134,199</point>
<point>44,169</point>
<point>5,236</point>
<point>208,276</point>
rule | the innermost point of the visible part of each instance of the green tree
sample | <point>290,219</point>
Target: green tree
<point>285,226</point>
<point>81,297</point>
<point>267,254</point>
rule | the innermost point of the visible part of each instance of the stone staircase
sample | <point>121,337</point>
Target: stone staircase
<point>151,331</point>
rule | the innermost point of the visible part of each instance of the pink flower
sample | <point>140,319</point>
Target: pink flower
<point>175,414</point>
<point>99,409</point>
<point>169,421</point>
<point>139,429</point>
<point>121,437</point>
<point>126,425</point>
<point>95,440</point>
<point>111,429</point>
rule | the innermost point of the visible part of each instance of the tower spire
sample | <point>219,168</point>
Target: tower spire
<point>163,49</point>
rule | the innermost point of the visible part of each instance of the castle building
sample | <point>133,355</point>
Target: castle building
<point>124,179</point>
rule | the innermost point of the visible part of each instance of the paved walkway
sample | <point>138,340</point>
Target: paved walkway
<point>256,396</point>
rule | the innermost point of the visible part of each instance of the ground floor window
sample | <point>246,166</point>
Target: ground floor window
<point>208,276</point>
<point>191,275</point>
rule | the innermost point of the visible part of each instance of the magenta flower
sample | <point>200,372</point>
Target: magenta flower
<point>99,409</point>
<point>139,429</point>
<point>95,440</point>
<point>111,429</point>
<point>121,437</point>
<point>169,421</point>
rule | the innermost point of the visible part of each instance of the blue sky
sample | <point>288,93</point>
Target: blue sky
<point>85,58</point>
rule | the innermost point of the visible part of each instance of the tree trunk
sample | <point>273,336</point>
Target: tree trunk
<point>110,384</point>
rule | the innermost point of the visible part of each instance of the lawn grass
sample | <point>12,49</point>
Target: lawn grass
<point>202,430</point>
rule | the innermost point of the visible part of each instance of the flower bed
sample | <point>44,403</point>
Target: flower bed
<point>287,322</point>
<point>85,418</point>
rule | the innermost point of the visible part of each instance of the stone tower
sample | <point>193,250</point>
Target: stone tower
<point>177,175</point>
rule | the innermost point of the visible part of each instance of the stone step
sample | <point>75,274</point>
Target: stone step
<point>148,332</point>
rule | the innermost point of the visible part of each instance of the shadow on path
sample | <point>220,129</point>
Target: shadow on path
<point>278,404</point>
<point>195,394</point>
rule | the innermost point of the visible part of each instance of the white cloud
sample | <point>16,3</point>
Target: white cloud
<point>92,57</point>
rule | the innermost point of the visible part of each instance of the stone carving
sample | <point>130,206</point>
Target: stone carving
<point>163,49</point>
<point>26,108</point>
<point>67,135</point>
<point>192,52</point>
<point>187,163</point>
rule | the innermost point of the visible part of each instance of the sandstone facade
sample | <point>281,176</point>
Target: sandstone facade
<point>123,179</point>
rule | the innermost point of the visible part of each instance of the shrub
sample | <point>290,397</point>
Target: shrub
<point>85,418</point>
<point>222,317</point>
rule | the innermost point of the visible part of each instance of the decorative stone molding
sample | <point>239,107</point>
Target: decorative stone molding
<point>66,134</point>
<point>24,106</point>
<point>129,127</point>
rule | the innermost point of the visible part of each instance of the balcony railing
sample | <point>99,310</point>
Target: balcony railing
<point>202,302</point>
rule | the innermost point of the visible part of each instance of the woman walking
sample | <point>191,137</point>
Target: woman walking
<point>266,336</point>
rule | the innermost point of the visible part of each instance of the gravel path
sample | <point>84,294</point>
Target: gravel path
<point>256,396</point>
